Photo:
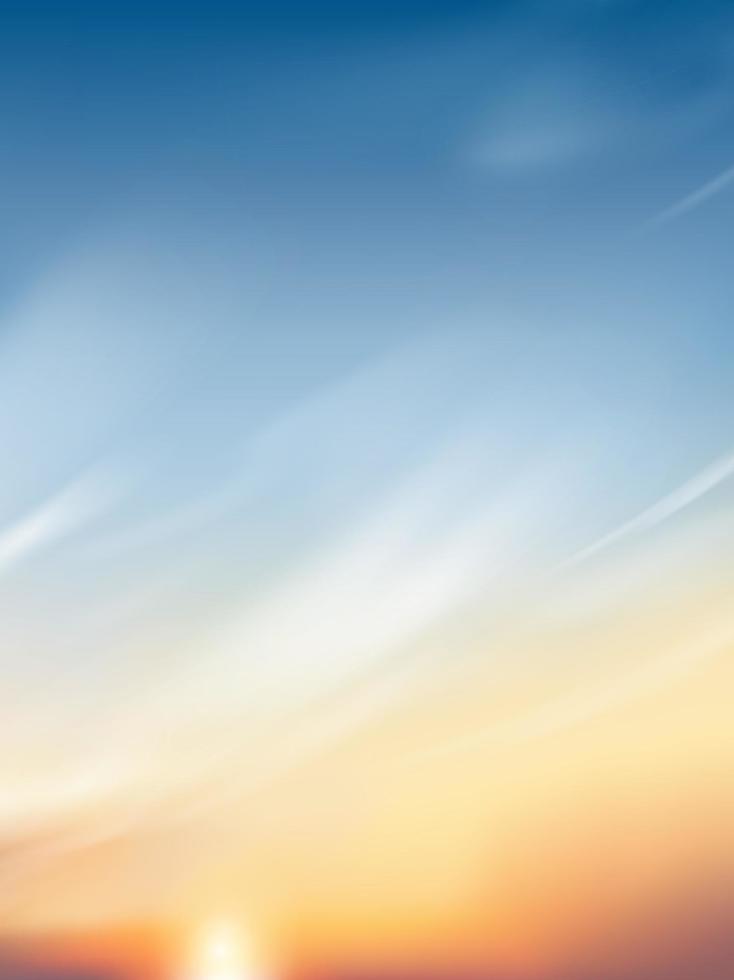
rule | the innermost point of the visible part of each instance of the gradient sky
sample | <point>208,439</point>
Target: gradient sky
<point>366,522</point>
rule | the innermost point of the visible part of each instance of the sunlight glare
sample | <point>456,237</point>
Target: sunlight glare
<point>223,953</point>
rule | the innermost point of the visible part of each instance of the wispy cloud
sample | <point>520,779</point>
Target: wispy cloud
<point>691,491</point>
<point>78,503</point>
<point>326,632</point>
<point>553,116</point>
<point>394,575</point>
<point>693,200</point>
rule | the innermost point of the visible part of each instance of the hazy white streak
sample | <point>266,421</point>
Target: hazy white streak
<point>693,200</point>
<point>662,509</point>
<point>61,514</point>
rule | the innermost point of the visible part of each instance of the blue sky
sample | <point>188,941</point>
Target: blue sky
<point>406,304</point>
<point>390,154</point>
<point>215,215</point>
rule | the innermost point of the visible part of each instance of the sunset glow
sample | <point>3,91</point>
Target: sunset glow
<point>366,490</point>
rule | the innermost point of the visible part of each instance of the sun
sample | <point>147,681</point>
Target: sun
<point>224,952</point>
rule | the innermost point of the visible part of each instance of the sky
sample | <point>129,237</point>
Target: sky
<point>366,509</point>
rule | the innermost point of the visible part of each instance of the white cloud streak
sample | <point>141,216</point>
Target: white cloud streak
<point>79,502</point>
<point>694,200</point>
<point>669,505</point>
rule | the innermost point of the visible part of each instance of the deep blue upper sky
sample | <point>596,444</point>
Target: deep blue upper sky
<point>403,153</point>
<point>355,86</point>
